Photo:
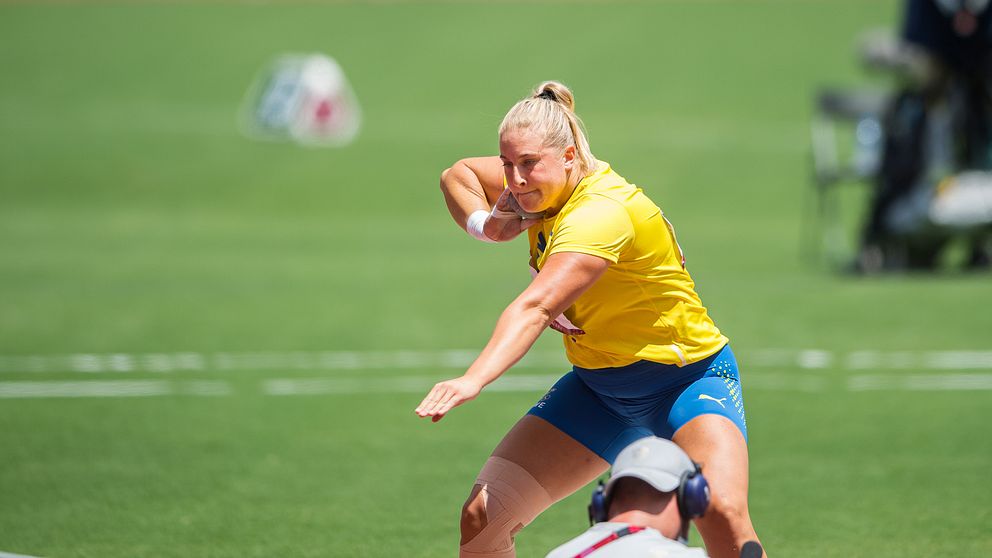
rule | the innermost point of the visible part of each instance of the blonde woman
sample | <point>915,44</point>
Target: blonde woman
<point>610,276</point>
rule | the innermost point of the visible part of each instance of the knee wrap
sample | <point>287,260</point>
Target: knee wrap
<point>512,498</point>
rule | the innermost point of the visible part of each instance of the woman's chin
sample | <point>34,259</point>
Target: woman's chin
<point>531,206</point>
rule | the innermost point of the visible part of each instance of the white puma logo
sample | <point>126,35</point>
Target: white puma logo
<point>720,401</point>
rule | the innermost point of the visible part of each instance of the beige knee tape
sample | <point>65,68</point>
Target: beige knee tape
<point>512,499</point>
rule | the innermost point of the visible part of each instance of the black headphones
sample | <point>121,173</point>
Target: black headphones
<point>692,496</point>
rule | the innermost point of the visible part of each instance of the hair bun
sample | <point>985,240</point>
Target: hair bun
<point>555,122</point>
<point>557,92</point>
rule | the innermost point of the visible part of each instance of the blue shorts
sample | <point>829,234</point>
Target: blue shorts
<point>609,408</point>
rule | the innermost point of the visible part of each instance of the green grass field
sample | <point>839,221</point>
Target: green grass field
<point>277,312</point>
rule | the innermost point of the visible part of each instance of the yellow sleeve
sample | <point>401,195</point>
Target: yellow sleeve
<point>598,226</point>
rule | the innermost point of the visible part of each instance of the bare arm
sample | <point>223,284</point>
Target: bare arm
<point>564,277</point>
<point>476,184</point>
<point>472,184</point>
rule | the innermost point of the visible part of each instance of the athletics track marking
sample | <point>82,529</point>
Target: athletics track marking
<point>766,370</point>
<point>806,359</point>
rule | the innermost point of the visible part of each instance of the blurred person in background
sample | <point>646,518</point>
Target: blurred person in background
<point>610,276</point>
<point>644,509</point>
<point>937,124</point>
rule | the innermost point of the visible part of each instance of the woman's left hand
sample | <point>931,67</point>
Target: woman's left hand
<point>447,395</point>
<point>508,219</point>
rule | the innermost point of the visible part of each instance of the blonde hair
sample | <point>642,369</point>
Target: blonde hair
<point>551,110</point>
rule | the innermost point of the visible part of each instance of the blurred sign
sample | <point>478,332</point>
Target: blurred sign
<point>303,98</point>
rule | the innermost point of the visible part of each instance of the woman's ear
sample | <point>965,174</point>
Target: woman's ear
<point>569,157</point>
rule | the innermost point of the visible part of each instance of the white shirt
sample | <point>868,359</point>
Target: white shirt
<point>647,543</point>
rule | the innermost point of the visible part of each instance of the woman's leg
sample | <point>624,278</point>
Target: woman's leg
<point>534,466</point>
<point>717,444</point>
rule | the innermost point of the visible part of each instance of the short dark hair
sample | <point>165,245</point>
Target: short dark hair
<point>629,493</point>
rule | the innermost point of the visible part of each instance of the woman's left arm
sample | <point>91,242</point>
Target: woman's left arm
<point>564,277</point>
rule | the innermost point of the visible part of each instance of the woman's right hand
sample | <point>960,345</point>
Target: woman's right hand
<point>447,395</point>
<point>508,219</point>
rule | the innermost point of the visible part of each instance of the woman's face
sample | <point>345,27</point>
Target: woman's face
<point>537,176</point>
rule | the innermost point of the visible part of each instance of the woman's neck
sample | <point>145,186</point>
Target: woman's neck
<point>571,183</point>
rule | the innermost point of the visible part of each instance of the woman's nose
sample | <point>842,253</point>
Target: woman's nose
<point>516,178</point>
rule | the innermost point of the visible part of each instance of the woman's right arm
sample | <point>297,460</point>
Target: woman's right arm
<point>476,184</point>
<point>564,277</point>
<point>472,184</point>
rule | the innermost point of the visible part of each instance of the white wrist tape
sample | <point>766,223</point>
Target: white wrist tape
<point>475,224</point>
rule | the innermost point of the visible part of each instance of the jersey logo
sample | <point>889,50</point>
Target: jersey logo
<point>542,242</point>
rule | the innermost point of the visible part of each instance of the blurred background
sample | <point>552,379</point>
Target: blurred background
<point>212,345</point>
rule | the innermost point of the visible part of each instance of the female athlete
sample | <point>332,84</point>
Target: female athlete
<point>610,276</point>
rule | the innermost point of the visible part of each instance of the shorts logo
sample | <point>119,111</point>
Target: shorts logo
<point>540,404</point>
<point>711,398</point>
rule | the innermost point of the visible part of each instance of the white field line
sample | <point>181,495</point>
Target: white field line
<point>101,388</point>
<point>418,384</point>
<point>765,370</point>
<point>271,360</point>
<point>783,382</point>
<point>805,359</point>
<point>813,359</point>
<point>9,555</point>
<point>935,382</point>
<point>759,381</point>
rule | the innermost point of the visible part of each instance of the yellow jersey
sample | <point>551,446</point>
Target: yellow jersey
<point>644,307</point>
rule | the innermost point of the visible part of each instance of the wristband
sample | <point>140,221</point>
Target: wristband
<point>475,223</point>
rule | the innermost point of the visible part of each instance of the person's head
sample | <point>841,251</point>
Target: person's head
<point>544,150</point>
<point>654,481</point>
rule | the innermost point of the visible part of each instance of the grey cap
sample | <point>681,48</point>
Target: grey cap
<point>656,461</point>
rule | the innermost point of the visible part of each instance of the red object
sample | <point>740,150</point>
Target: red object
<point>324,111</point>
<point>612,537</point>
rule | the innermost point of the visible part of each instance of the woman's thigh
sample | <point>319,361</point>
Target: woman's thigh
<point>602,426</point>
<point>717,444</point>
<point>534,466</point>
<point>557,461</point>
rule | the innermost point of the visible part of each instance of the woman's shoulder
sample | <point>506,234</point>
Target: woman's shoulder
<point>601,201</point>
<point>605,176</point>
<point>606,182</point>
<point>607,187</point>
